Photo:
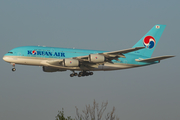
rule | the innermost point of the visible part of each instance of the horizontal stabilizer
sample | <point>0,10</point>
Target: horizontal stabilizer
<point>154,58</point>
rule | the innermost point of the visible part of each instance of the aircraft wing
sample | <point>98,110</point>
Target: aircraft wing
<point>155,58</point>
<point>124,51</point>
<point>114,55</point>
<point>82,58</point>
<point>84,61</point>
<point>111,55</point>
<point>59,63</point>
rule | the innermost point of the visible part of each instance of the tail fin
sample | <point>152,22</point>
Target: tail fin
<point>149,40</point>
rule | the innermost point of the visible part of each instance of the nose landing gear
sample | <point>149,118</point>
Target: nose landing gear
<point>13,69</point>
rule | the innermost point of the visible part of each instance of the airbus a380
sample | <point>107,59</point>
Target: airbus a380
<point>54,59</point>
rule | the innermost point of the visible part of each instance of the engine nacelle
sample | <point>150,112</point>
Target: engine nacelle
<point>51,69</point>
<point>95,58</point>
<point>70,63</point>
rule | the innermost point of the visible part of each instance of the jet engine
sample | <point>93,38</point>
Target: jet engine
<point>70,63</point>
<point>51,69</point>
<point>95,58</point>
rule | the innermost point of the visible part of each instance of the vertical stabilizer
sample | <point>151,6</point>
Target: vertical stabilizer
<point>149,41</point>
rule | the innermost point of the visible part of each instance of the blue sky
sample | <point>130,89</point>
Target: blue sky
<point>150,92</point>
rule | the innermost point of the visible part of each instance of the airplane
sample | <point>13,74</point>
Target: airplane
<point>53,59</point>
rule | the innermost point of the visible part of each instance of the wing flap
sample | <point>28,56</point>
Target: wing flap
<point>154,58</point>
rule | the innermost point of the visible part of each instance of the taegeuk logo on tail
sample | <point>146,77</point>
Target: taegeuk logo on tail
<point>149,42</point>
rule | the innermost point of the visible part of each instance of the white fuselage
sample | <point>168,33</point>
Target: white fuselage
<point>43,62</point>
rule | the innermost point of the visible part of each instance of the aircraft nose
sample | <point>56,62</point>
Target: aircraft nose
<point>5,58</point>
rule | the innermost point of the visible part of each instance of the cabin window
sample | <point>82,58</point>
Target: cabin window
<point>10,52</point>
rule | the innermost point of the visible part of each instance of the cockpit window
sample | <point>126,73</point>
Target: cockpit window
<point>10,52</point>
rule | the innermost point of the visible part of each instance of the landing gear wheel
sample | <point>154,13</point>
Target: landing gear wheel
<point>75,74</point>
<point>91,73</point>
<point>13,69</point>
<point>71,75</point>
<point>80,73</point>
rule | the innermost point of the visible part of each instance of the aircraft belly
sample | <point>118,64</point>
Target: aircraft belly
<point>23,60</point>
<point>105,67</point>
<point>110,66</point>
<point>26,61</point>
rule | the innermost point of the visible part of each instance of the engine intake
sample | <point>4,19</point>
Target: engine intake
<point>70,63</point>
<point>95,58</point>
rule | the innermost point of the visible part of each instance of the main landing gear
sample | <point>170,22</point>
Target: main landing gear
<point>13,69</point>
<point>81,74</point>
<point>73,74</point>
